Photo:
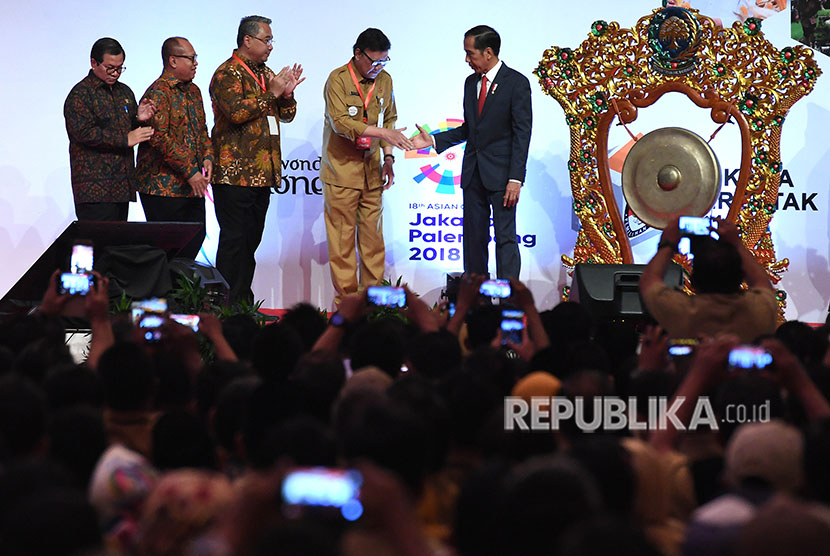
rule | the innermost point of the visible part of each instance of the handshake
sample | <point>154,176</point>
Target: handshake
<point>396,138</point>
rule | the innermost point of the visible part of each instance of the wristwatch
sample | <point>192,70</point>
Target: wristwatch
<point>338,320</point>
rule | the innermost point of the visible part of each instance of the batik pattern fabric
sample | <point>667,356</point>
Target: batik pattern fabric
<point>180,143</point>
<point>246,153</point>
<point>98,118</point>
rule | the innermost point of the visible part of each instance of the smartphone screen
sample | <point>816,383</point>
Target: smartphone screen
<point>749,357</point>
<point>495,288</point>
<point>386,296</point>
<point>512,324</point>
<point>323,487</point>
<point>698,226</point>
<point>190,321</point>
<point>75,284</point>
<point>81,259</point>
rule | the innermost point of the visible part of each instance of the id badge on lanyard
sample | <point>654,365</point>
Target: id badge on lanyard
<point>363,143</point>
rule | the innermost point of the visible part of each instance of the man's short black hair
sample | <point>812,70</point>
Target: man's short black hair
<point>170,47</point>
<point>484,36</point>
<point>104,46</point>
<point>717,267</point>
<point>250,26</point>
<point>372,39</point>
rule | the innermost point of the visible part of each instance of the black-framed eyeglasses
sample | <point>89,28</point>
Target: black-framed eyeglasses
<point>268,42</point>
<point>115,70</point>
<point>191,58</point>
<point>380,63</point>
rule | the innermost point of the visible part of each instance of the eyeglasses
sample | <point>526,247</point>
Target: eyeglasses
<point>191,58</point>
<point>269,42</point>
<point>115,70</point>
<point>380,63</point>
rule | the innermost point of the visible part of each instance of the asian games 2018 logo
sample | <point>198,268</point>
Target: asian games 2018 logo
<point>446,173</point>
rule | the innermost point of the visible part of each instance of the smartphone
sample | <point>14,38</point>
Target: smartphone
<point>191,321</point>
<point>80,262</point>
<point>749,358</point>
<point>323,488</point>
<point>75,284</point>
<point>148,315</point>
<point>512,325</point>
<point>495,288</point>
<point>698,226</point>
<point>386,296</point>
<point>680,347</point>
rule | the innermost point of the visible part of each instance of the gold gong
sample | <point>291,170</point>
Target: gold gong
<point>670,172</point>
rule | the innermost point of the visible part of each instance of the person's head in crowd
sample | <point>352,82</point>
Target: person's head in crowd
<point>299,538</point>
<point>619,341</point>
<point>230,418</point>
<point>544,498</point>
<point>478,512</point>
<point>128,377</point>
<point>769,455</point>
<point>174,382</point>
<point>817,460</point>
<point>807,344</point>
<point>22,417</point>
<point>302,440</point>
<point>363,390</point>
<point>392,437</point>
<point>380,344</point>
<point>717,267</point>
<point>785,525</point>
<point>590,386</point>
<point>212,380</point>
<point>21,331</point>
<point>77,439</point>
<point>759,396</point>
<point>181,440</point>
<point>25,478</point>
<point>57,521</point>
<point>307,321</point>
<point>37,358</point>
<point>182,506</point>
<point>240,331</point>
<point>483,323</point>
<point>270,403</point>
<point>496,366</point>
<point>69,385</point>
<point>606,535</point>
<point>433,355</point>
<point>421,397</point>
<point>275,351</point>
<point>121,482</point>
<point>567,323</point>
<point>320,376</point>
<point>609,464</point>
<point>473,400</point>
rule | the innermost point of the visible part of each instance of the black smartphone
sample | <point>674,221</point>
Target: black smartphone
<point>749,358</point>
<point>148,315</point>
<point>512,325</point>
<point>327,489</point>
<point>386,296</point>
<point>698,226</point>
<point>495,288</point>
<point>75,284</point>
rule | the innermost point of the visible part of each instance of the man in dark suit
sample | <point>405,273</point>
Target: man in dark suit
<point>497,121</point>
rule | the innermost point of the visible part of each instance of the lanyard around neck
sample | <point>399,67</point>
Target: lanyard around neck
<point>259,80</point>
<point>368,96</point>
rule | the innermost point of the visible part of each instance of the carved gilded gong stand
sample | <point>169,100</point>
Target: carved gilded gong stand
<point>734,72</point>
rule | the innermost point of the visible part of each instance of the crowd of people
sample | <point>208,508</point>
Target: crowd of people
<point>145,448</point>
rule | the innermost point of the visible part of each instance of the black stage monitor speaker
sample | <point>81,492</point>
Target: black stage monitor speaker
<point>612,291</point>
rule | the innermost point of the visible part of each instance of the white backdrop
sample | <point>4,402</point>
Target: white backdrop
<point>46,46</point>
